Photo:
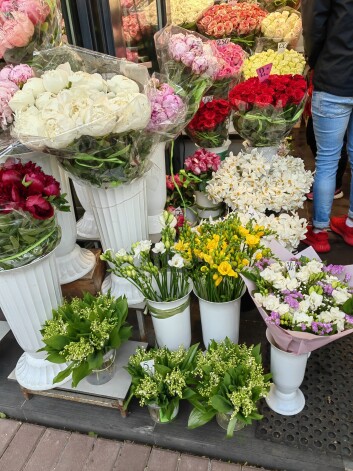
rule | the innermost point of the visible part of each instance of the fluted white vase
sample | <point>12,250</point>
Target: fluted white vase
<point>156,191</point>
<point>28,294</point>
<point>73,262</point>
<point>121,216</point>
<point>86,227</point>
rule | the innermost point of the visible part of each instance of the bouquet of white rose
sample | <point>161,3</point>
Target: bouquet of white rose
<point>93,122</point>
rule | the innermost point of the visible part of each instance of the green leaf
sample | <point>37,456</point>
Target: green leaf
<point>95,360</point>
<point>125,333</point>
<point>162,369</point>
<point>190,357</point>
<point>57,342</point>
<point>221,404</point>
<point>56,358</point>
<point>114,338</point>
<point>63,374</point>
<point>80,372</point>
<point>348,306</point>
<point>231,426</point>
<point>198,418</point>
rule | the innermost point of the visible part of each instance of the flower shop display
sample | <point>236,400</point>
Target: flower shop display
<point>210,126</point>
<point>27,26</point>
<point>199,168</point>
<point>233,59</point>
<point>248,180</point>
<point>86,226</point>
<point>265,112</point>
<point>161,277</point>
<point>85,334</point>
<point>288,61</point>
<point>216,252</point>
<point>135,27</point>
<point>189,60</point>
<point>287,229</point>
<point>306,304</point>
<point>29,284</point>
<point>159,379</point>
<point>240,22</point>
<point>12,78</point>
<point>229,381</point>
<point>284,25</point>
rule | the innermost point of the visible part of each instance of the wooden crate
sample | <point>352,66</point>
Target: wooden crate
<point>90,283</point>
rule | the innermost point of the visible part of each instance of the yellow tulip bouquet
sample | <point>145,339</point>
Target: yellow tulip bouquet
<point>217,252</point>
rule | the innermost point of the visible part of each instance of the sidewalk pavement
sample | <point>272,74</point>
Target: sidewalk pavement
<point>28,447</point>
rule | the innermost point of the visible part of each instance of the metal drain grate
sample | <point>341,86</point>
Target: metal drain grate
<point>326,423</point>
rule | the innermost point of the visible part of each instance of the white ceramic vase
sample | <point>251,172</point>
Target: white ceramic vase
<point>73,262</point>
<point>86,227</point>
<point>28,294</point>
<point>220,320</point>
<point>221,151</point>
<point>121,217</point>
<point>156,191</point>
<point>171,322</point>
<point>288,372</point>
<point>205,207</point>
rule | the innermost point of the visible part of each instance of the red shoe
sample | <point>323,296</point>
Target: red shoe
<point>338,225</point>
<point>337,195</point>
<point>319,242</point>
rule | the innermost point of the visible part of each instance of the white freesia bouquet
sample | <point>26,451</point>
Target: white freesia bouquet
<point>249,180</point>
<point>287,229</point>
<point>94,122</point>
<point>158,272</point>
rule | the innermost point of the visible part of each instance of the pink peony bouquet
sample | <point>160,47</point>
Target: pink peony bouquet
<point>26,26</point>
<point>168,108</point>
<point>12,78</point>
<point>188,60</point>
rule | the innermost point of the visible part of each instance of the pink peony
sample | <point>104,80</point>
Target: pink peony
<point>7,90</point>
<point>17,31</point>
<point>200,65</point>
<point>36,10</point>
<point>20,74</point>
<point>6,6</point>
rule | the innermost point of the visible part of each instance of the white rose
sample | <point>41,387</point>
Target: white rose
<point>340,295</point>
<point>35,85</point>
<point>61,131</point>
<point>55,80</point>
<point>89,81</point>
<point>159,248</point>
<point>176,261</point>
<point>120,84</point>
<point>21,100</point>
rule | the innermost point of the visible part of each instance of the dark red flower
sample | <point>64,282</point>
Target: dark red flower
<point>36,182</point>
<point>39,207</point>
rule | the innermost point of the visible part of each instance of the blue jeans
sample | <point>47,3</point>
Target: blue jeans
<point>332,116</point>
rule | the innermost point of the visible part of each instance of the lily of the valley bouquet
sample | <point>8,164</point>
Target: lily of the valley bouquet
<point>265,112</point>
<point>249,181</point>
<point>188,60</point>
<point>26,26</point>
<point>229,380</point>
<point>28,227</point>
<point>288,61</point>
<point>216,253</point>
<point>93,122</point>
<point>159,378</point>
<point>83,331</point>
<point>157,271</point>
<point>304,302</point>
<point>210,126</point>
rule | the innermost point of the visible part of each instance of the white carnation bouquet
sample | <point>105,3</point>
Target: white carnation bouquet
<point>249,180</point>
<point>91,111</point>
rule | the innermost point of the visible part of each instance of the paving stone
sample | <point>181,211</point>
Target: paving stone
<point>21,447</point>
<point>222,466</point>
<point>162,460</point>
<point>132,457</point>
<point>103,456</point>
<point>48,451</point>
<point>193,463</point>
<point>8,429</point>
<point>76,452</point>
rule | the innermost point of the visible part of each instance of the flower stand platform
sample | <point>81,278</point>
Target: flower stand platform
<point>111,394</point>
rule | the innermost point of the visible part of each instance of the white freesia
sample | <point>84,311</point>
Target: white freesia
<point>315,300</point>
<point>167,219</point>
<point>176,261</point>
<point>159,247</point>
<point>340,295</point>
<point>271,302</point>
<point>334,315</point>
<point>21,100</point>
<point>55,80</point>
<point>120,253</point>
<point>300,317</point>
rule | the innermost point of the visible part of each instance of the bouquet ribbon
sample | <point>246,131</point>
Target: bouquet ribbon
<point>165,314</point>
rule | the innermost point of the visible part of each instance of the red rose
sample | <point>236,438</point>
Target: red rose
<point>39,207</point>
<point>263,100</point>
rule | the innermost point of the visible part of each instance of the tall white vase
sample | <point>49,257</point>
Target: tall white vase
<point>121,216</point>
<point>220,320</point>
<point>288,372</point>
<point>86,226</point>
<point>205,207</point>
<point>28,294</point>
<point>73,262</point>
<point>156,191</point>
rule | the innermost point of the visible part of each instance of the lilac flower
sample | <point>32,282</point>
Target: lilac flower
<point>348,319</point>
<point>291,301</point>
<point>303,326</point>
<point>328,289</point>
<point>262,264</point>
<point>273,318</point>
<point>334,269</point>
<point>321,328</point>
<point>347,277</point>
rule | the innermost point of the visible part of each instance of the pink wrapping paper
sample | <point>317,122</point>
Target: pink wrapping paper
<point>288,340</point>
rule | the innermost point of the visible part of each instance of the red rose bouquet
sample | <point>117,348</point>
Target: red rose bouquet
<point>28,227</point>
<point>209,127</point>
<point>240,22</point>
<point>265,112</point>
